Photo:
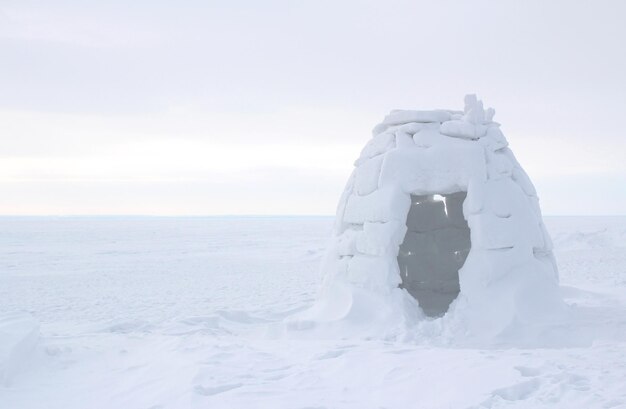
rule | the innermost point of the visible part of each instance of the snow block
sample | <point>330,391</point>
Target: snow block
<point>534,206</point>
<point>494,138</point>
<point>339,225</point>
<point>412,128</point>
<point>398,117</point>
<point>547,240</point>
<point>377,146</point>
<point>378,239</point>
<point>367,174</point>
<point>502,165</point>
<point>374,273</point>
<point>345,243</point>
<point>474,202</point>
<point>426,138</point>
<point>383,205</point>
<point>446,167</point>
<point>463,129</point>
<point>491,232</point>
<point>503,197</point>
<point>403,139</point>
<point>523,181</point>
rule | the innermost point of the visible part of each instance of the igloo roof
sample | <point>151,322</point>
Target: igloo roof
<point>509,278</point>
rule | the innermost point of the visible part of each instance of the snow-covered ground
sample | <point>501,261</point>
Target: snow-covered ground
<point>186,313</point>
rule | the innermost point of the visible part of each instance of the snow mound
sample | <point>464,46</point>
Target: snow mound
<point>426,182</point>
<point>19,333</point>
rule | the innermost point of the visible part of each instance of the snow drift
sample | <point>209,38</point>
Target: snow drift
<point>438,230</point>
<point>19,333</point>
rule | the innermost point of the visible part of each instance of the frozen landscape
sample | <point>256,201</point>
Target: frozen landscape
<point>188,313</point>
<point>130,130</point>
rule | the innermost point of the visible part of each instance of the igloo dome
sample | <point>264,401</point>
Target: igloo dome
<point>438,223</point>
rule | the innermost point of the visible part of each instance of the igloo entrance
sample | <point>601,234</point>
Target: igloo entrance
<point>435,247</point>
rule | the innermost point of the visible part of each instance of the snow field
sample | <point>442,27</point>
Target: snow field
<point>187,313</point>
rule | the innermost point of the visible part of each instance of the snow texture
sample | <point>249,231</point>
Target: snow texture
<point>18,336</point>
<point>509,280</point>
<point>186,313</point>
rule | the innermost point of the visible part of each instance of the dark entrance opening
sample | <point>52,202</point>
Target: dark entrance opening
<point>435,247</point>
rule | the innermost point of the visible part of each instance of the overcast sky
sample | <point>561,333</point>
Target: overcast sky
<point>261,107</point>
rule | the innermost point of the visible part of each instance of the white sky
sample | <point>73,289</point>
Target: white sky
<point>261,107</point>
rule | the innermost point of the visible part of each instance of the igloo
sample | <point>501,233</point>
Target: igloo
<point>438,223</point>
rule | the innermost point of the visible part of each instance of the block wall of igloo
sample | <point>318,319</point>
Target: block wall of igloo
<point>509,277</point>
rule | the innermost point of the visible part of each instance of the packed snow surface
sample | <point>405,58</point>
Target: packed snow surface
<point>143,313</point>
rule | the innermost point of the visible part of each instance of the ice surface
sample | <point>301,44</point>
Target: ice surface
<point>184,313</point>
